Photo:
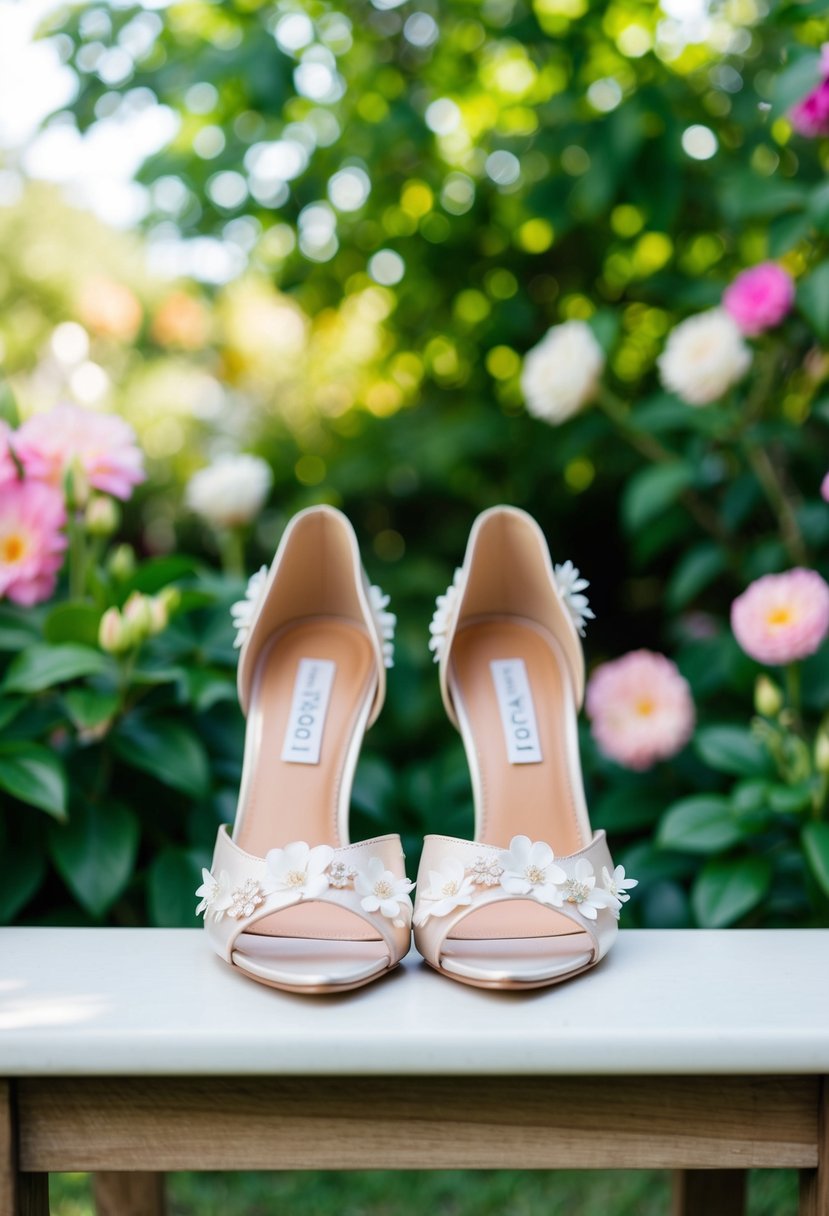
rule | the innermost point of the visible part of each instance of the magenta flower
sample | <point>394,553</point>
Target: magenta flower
<point>31,541</point>
<point>782,617</point>
<point>810,117</point>
<point>759,298</point>
<point>103,445</point>
<point>641,709</point>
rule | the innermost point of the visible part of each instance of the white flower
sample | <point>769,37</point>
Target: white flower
<point>449,888</point>
<point>298,870</point>
<point>486,872</point>
<point>244,610</point>
<point>245,900</point>
<point>561,373</point>
<point>214,894</point>
<point>580,889</point>
<point>529,869</point>
<point>340,874</point>
<point>703,357</point>
<point>231,491</point>
<point>617,885</point>
<point>385,622</point>
<point>383,892</point>
<point>445,606</point>
<point>571,588</point>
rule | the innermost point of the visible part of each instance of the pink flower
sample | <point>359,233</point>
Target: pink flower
<point>782,617</point>
<point>8,469</point>
<point>824,488</point>
<point>641,709</point>
<point>759,298</point>
<point>810,117</point>
<point>31,542</point>
<point>103,444</point>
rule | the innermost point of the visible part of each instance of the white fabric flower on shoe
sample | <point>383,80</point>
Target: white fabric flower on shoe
<point>384,620</point>
<point>571,587</point>
<point>214,894</point>
<point>243,611</point>
<point>580,889</point>
<point>445,606</point>
<point>298,870</point>
<point>530,869</point>
<point>617,885</point>
<point>384,893</point>
<point>449,888</point>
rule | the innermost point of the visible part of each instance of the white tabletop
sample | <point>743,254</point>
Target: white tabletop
<point>158,1001</point>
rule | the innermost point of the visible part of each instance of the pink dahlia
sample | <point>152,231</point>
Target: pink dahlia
<point>782,617</point>
<point>759,298</point>
<point>103,444</point>
<point>31,541</point>
<point>640,708</point>
<point>810,117</point>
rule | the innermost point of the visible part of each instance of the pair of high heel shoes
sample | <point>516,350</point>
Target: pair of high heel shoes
<point>534,898</point>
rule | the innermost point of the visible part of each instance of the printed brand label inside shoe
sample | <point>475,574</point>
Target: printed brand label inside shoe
<point>515,703</point>
<point>309,705</point>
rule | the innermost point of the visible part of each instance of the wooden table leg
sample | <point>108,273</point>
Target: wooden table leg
<point>701,1192</point>
<point>20,1194</point>
<point>129,1194</point>
<point>814,1184</point>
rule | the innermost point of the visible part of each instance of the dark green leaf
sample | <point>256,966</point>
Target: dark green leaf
<point>159,572</point>
<point>815,839</point>
<point>94,852</point>
<point>727,889</point>
<point>627,809</point>
<point>90,707</point>
<point>653,489</point>
<point>17,629</point>
<point>72,623</point>
<point>813,299</point>
<point>732,749</point>
<point>22,867</point>
<point>700,824</point>
<point>34,775</point>
<point>41,666</point>
<point>167,750</point>
<point>172,880</point>
<point>693,572</point>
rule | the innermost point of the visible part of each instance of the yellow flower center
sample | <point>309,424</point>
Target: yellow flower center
<point>12,548</point>
<point>296,878</point>
<point>449,888</point>
<point>780,616</point>
<point>383,890</point>
<point>535,875</point>
<point>645,707</point>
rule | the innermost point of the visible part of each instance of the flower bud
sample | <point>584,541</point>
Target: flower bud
<point>122,563</point>
<point>139,616</point>
<point>159,616</point>
<point>768,697</point>
<point>102,516</point>
<point>114,635</point>
<point>170,598</point>
<point>822,751</point>
<point>76,484</point>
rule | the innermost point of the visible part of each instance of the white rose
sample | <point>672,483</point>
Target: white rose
<point>561,373</point>
<point>703,357</point>
<point>231,491</point>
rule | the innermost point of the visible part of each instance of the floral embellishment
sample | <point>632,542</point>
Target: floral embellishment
<point>449,888</point>
<point>618,884</point>
<point>445,606</point>
<point>384,893</point>
<point>384,620</point>
<point>580,888</point>
<point>530,869</point>
<point>486,871</point>
<point>245,900</point>
<point>340,874</point>
<point>214,894</point>
<point>571,588</point>
<point>244,610</point>
<point>298,870</point>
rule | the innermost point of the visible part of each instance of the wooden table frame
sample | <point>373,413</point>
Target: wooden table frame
<point>146,1125</point>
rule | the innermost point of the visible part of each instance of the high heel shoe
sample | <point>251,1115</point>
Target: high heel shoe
<point>288,900</point>
<point>535,898</point>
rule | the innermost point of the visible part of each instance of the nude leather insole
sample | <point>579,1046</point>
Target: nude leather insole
<point>285,801</point>
<point>535,800</point>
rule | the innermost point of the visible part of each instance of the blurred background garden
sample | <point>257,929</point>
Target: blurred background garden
<point>327,236</point>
